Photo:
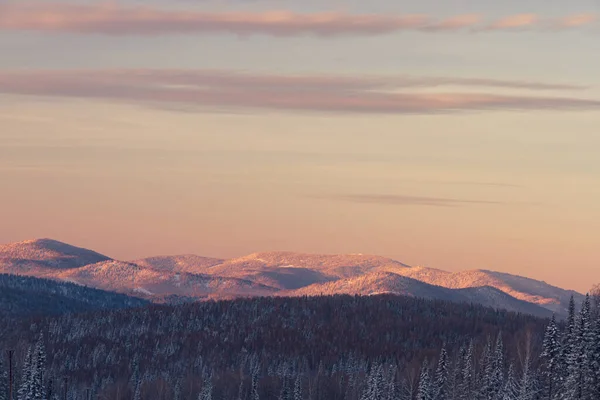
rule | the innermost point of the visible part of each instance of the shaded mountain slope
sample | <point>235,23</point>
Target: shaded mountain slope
<point>26,296</point>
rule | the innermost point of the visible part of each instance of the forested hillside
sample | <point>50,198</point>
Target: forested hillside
<point>319,348</point>
<point>330,347</point>
<point>24,296</point>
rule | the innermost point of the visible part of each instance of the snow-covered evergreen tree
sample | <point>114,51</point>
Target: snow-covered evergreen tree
<point>441,376</point>
<point>177,391</point>
<point>254,385</point>
<point>496,380</point>
<point>467,377</point>
<point>578,362</point>
<point>38,387</point>
<point>510,390</point>
<point>484,374</point>
<point>25,388</point>
<point>425,391</point>
<point>550,358</point>
<point>3,380</point>
<point>391,390</point>
<point>298,388</point>
<point>207,389</point>
<point>594,357</point>
<point>527,384</point>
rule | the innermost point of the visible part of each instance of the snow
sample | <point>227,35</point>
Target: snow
<point>143,291</point>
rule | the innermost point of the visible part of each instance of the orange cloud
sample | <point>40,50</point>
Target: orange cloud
<point>126,20</point>
<point>281,92</point>
<point>576,21</point>
<point>519,21</point>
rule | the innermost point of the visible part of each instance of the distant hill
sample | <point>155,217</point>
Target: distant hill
<point>156,284</point>
<point>44,256</point>
<point>386,282</point>
<point>22,296</point>
<point>185,277</point>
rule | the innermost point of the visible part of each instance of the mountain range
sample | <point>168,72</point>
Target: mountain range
<point>190,277</point>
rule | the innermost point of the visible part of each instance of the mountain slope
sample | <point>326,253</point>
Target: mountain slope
<point>387,282</point>
<point>44,256</point>
<point>530,290</point>
<point>26,296</point>
<point>189,277</point>
<point>180,263</point>
<point>133,279</point>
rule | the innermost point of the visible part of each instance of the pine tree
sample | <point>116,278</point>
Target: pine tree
<point>566,357</point>
<point>467,377</point>
<point>484,375</point>
<point>177,391</point>
<point>298,388</point>
<point>425,387</point>
<point>285,393</point>
<point>497,378</point>
<point>3,381</point>
<point>25,389</point>
<point>550,358</point>
<point>38,370</point>
<point>441,376</point>
<point>510,390</point>
<point>578,379</point>
<point>254,387</point>
<point>526,386</point>
<point>595,359</point>
<point>207,389</point>
<point>374,389</point>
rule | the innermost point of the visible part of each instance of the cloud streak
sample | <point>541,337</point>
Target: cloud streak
<point>407,200</point>
<point>321,93</point>
<point>117,19</point>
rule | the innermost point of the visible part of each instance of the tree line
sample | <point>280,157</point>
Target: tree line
<point>312,348</point>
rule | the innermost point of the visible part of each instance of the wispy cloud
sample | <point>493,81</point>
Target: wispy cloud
<point>114,19</point>
<point>408,200</point>
<point>518,21</point>
<point>575,21</point>
<point>358,94</point>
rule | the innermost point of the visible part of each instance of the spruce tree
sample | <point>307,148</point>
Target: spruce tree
<point>207,389</point>
<point>510,390</point>
<point>425,387</point>
<point>497,378</point>
<point>25,388</point>
<point>595,358</point>
<point>485,372</point>
<point>38,389</point>
<point>550,358</point>
<point>177,391</point>
<point>578,378</point>
<point>254,385</point>
<point>526,386</point>
<point>3,380</point>
<point>298,388</point>
<point>441,376</point>
<point>467,377</point>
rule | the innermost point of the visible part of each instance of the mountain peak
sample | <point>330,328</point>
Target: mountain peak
<point>45,253</point>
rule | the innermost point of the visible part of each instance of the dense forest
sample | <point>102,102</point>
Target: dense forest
<point>334,347</point>
<point>26,296</point>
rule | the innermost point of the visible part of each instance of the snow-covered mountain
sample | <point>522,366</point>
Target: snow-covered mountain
<point>44,256</point>
<point>278,273</point>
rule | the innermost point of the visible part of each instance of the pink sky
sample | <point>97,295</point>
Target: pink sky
<point>455,136</point>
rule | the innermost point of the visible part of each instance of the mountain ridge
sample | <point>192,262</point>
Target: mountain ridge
<point>275,273</point>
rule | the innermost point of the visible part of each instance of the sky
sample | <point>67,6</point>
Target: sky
<point>457,135</point>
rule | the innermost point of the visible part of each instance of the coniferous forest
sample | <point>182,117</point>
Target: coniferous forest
<point>336,347</point>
